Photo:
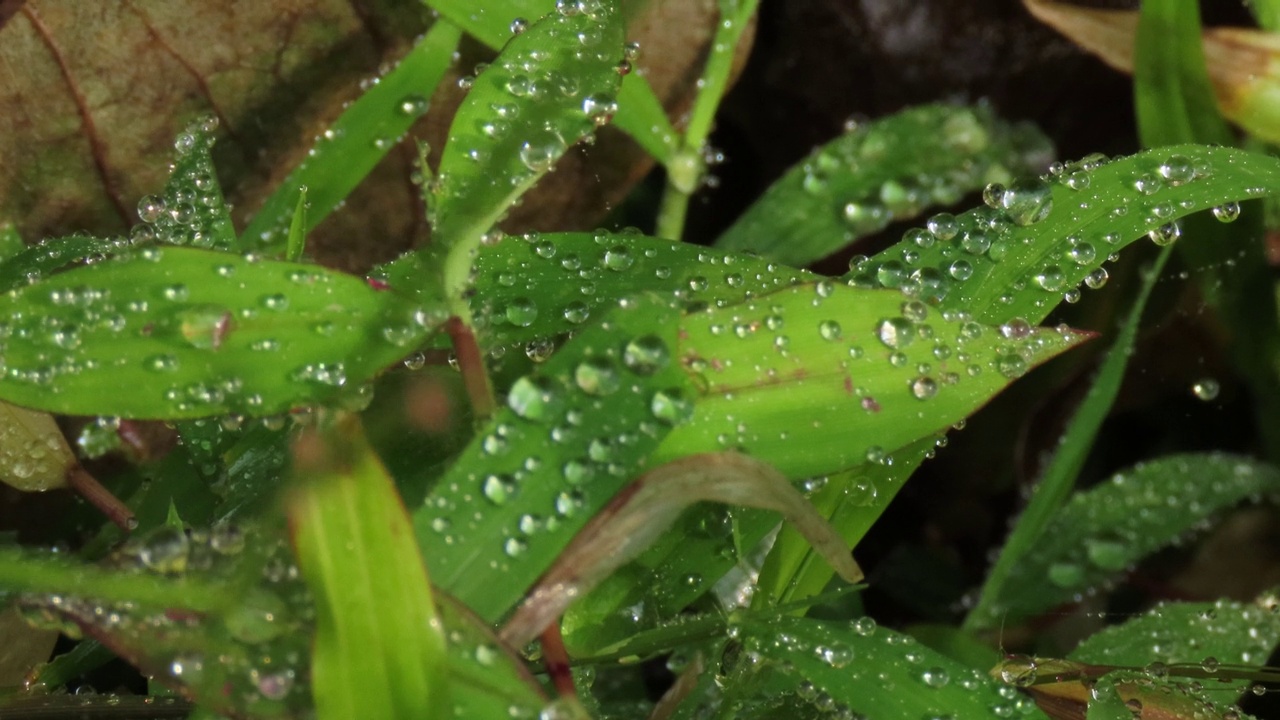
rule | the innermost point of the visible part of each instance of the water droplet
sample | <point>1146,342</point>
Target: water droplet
<point>150,208</point>
<point>645,355</point>
<point>618,258</point>
<point>522,312</point>
<point>1066,574</point>
<point>671,406</point>
<point>519,25</point>
<point>1227,212</point>
<point>895,332</point>
<point>577,472</point>
<point>935,677</point>
<point>924,388</point>
<point>961,270</point>
<point>943,226</point>
<point>1206,389</point>
<point>1097,278</point>
<point>1050,278</point>
<point>1178,169</point>
<point>576,312</point>
<point>829,330</point>
<point>165,550</point>
<point>534,398</point>
<point>1026,203</point>
<point>1166,234</point>
<point>597,376</point>
<point>1011,365</point>
<point>864,626</point>
<point>498,488</point>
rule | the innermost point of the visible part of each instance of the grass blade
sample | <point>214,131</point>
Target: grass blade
<point>1172,93</point>
<point>364,133</point>
<point>890,169</point>
<point>1059,477</point>
<point>379,649</point>
<point>1101,532</point>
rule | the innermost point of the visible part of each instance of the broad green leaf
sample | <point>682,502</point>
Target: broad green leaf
<point>1172,93</point>
<point>1059,478</point>
<point>1191,639</point>
<point>1106,703</point>
<point>858,373</point>
<point>640,114</point>
<point>194,333</point>
<point>378,650</point>
<point>364,133</point>
<point>1103,531</point>
<point>550,87</point>
<point>856,668</point>
<point>538,286</point>
<point>1046,238</point>
<point>573,432</point>
<point>890,169</point>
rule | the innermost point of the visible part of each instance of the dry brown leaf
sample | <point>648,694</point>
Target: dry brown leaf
<point>92,96</point>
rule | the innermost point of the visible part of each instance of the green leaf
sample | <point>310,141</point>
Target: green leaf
<point>486,679</point>
<point>890,169</point>
<point>1106,703</point>
<point>538,286</point>
<point>875,672</point>
<point>44,258</point>
<point>1194,638</point>
<point>357,141</point>
<point>191,210</point>
<point>863,372</point>
<point>297,241</point>
<point>1043,239</point>
<point>572,433</point>
<point>640,114</point>
<point>11,242</point>
<point>1058,480</point>
<point>193,333</point>
<point>545,91</point>
<point>211,613</point>
<point>1173,97</point>
<point>1101,532</point>
<point>1267,13</point>
<point>378,651</point>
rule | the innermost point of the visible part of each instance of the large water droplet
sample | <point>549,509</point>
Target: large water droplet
<point>597,376</point>
<point>896,332</point>
<point>671,406</point>
<point>534,398</point>
<point>522,312</point>
<point>646,355</point>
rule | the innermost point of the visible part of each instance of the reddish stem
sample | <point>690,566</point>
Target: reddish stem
<point>84,484</point>
<point>556,660</point>
<point>475,378</point>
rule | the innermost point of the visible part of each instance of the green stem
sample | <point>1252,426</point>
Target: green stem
<point>685,169</point>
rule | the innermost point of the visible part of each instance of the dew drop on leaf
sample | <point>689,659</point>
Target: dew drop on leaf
<point>645,355</point>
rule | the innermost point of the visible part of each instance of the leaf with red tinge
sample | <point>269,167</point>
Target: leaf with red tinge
<point>642,512</point>
<point>379,648</point>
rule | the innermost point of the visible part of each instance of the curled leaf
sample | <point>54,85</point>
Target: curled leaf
<point>642,512</point>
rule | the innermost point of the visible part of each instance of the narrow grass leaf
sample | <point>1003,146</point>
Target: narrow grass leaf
<point>297,228</point>
<point>571,434</point>
<point>48,256</point>
<point>365,132</point>
<point>195,333</point>
<point>1103,531</point>
<point>538,286</point>
<point>1036,242</point>
<point>644,511</point>
<point>486,679</point>
<point>379,648</point>
<point>544,92</point>
<point>1059,478</point>
<point>880,172</point>
<point>640,114</point>
<point>863,670</point>
<point>11,242</point>
<point>1172,94</point>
